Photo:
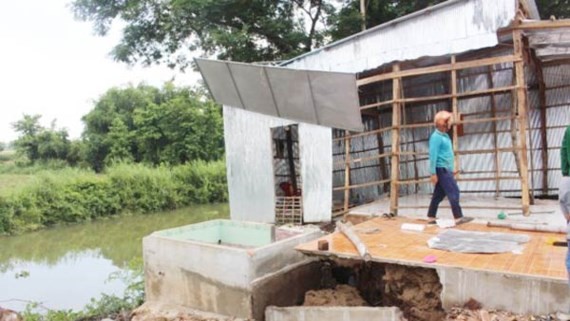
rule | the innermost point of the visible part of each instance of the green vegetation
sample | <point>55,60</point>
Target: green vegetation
<point>154,126</point>
<point>74,195</point>
<point>163,32</point>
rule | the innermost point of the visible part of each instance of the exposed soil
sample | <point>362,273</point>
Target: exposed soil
<point>416,291</point>
<point>341,295</point>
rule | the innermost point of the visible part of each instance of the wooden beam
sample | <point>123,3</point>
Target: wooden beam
<point>543,123</point>
<point>541,24</point>
<point>469,94</point>
<point>557,38</point>
<point>521,108</point>
<point>395,166</point>
<point>363,159</point>
<point>438,68</point>
<point>371,132</point>
<point>348,188</point>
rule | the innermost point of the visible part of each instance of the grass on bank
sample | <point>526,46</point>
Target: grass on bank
<point>69,195</point>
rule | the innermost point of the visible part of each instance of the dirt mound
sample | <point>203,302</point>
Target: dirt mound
<point>341,295</point>
<point>466,314</point>
<point>416,291</point>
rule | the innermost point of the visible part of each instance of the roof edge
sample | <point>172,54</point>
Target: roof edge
<point>412,15</point>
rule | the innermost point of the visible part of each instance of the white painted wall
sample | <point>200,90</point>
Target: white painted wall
<point>249,161</point>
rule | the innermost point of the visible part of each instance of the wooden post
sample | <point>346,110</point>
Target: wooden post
<point>291,158</point>
<point>382,160</point>
<point>543,139</point>
<point>522,119</point>
<point>395,175</point>
<point>454,110</point>
<point>346,170</point>
<point>495,138</point>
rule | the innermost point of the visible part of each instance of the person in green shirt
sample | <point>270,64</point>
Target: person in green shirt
<point>564,199</point>
<point>564,191</point>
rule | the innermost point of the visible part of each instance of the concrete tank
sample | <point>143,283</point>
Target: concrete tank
<point>229,267</point>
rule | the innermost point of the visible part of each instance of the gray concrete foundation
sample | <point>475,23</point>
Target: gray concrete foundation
<point>517,294</point>
<point>333,314</point>
<point>228,280</point>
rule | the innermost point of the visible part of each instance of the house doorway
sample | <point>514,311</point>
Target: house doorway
<point>287,175</point>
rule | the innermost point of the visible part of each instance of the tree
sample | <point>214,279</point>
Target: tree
<point>43,144</point>
<point>28,127</point>
<point>557,8</point>
<point>163,31</point>
<point>247,30</point>
<point>348,20</point>
<point>146,124</point>
<point>118,140</point>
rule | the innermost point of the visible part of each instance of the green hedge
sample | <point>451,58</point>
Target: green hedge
<point>74,195</point>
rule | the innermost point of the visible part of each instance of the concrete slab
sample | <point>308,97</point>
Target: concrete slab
<point>333,314</point>
<point>482,208</point>
<point>533,281</point>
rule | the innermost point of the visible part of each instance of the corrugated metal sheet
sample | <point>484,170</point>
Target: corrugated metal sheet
<point>249,161</point>
<point>314,97</point>
<point>426,33</point>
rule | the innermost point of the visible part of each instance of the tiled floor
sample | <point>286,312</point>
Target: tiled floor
<point>392,245</point>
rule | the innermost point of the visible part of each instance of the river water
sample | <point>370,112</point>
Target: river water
<point>64,267</point>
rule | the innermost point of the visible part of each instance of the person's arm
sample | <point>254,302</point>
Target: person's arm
<point>434,144</point>
<point>564,151</point>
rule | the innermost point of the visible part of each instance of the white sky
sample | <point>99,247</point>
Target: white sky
<point>53,65</point>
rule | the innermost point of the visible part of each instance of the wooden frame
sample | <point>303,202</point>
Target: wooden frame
<point>517,115</point>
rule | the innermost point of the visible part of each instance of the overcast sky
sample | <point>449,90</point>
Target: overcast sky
<point>53,65</point>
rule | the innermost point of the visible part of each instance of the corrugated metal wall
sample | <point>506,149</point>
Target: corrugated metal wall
<point>477,136</point>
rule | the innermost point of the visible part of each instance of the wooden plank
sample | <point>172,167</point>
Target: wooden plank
<point>543,123</point>
<point>376,105</point>
<point>549,38</point>
<point>470,94</point>
<point>395,166</point>
<point>439,68</point>
<point>556,51</point>
<point>347,188</point>
<point>463,179</point>
<point>542,24</point>
<point>364,159</point>
<point>370,132</point>
<point>522,116</point>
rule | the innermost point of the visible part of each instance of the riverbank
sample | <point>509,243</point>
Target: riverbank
<point>72,195</point>
<point>79,262</point>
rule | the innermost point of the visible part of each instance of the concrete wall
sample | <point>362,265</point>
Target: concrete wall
<point>249,161</point>
<point>497,291</point>
<point>332,314</point>
<point>216,278</point>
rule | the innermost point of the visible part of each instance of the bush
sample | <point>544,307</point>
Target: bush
<point>74,195</point>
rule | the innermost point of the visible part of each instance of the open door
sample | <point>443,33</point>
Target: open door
<point>287,175</point>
